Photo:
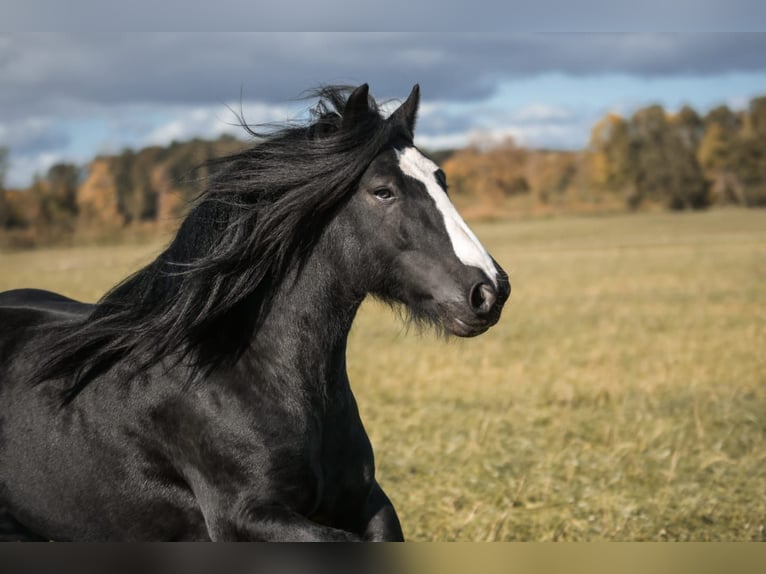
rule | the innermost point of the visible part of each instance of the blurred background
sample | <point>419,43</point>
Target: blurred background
<point>619,178</point>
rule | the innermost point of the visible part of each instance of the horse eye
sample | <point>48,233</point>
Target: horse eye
<point>384,194</point>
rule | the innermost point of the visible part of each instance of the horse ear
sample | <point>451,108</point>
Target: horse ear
<point>357,106</point>
<point>408,111</point>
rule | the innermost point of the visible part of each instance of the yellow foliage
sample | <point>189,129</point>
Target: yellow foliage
<point>491,175</point>
<point>713,148</point>
<point>97,196</point>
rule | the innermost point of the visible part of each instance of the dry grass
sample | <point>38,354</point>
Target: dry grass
<point>622,396</point>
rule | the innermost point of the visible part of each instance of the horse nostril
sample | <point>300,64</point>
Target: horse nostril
<point>482,298</point>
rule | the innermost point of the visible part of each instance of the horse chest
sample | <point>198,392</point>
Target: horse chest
<point>346,473</point>
<point>318,461</point>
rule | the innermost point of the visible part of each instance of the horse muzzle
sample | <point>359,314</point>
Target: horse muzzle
<point>483,306</point>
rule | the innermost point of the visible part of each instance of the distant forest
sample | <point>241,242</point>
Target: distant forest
<point>652,160</point>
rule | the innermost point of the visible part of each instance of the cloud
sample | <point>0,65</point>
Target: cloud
<point>534,125</point>
<point>212,121</point>
<point>37,143</point>
<point>33,135</point>
<point>23,168</point>
<point>446,125</point>
<point>339,15</point>
<point>50,71</point>
<point>536,113</point>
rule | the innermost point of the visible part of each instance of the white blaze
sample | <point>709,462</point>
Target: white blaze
<point>465,244</point>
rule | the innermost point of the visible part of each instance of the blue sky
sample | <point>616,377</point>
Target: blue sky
<point>68,97</point>
<point>557,110</point>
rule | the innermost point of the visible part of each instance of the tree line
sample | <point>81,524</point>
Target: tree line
<point>680,160</point>
<point>654,158</point>
<point>147,187</point>
<point>683,160</point>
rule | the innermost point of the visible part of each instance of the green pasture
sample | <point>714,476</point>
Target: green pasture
<point>621,397</point>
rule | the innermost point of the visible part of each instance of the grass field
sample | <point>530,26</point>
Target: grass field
<point>621,397</point>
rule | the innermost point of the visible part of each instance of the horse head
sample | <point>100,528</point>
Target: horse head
<point>423,254</point>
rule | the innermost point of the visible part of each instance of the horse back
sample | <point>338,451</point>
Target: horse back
<point>23,309</point>
<point>41,301</point>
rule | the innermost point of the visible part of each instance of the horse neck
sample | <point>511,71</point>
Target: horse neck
<point>302,340</point>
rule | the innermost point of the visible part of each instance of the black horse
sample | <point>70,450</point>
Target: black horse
<point>206,397</point>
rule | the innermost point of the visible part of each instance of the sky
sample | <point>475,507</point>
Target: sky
<point>71,96</point>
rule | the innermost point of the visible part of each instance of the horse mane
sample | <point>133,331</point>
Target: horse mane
<point>202,298</point>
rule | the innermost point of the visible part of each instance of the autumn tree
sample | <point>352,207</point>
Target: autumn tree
<point>136,199</point>
<point>732,153</point>
<point>751,153</point>
<point>667,170</point>
<point>757,117</point>
<point>689,127</point>
<point>97,197</point>
<point>56,197</point>
<point>3,165</point>
<point>492,175</point>
<point>4,209</point>
<point>611,165</point>
<point>717,155</point>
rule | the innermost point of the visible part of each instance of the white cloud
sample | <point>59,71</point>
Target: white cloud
<point>530,135</point>
<point>443,141</point>
<point>541,113</point>
<point>535,124</point>
<point>213,121</point>
<point>166,133</point>
<point>36,133</point>
<point>23,169</point>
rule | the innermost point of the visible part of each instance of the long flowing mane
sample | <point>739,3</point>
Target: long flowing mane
<point>202,298</point>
